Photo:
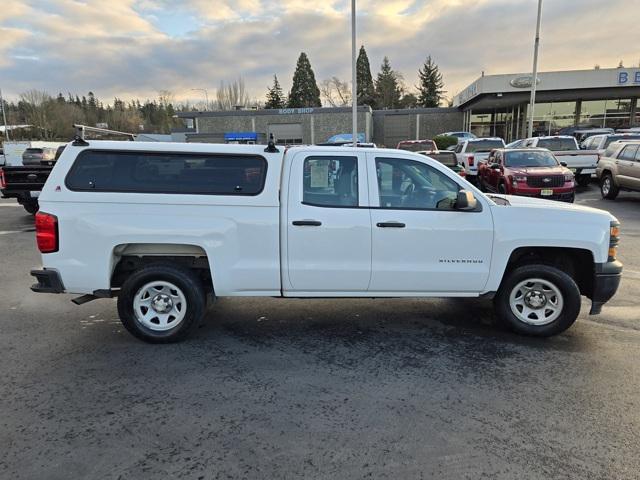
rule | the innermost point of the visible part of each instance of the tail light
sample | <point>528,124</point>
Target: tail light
<point>462,173</point>
<point>3,183</point>
<point>470,160</point>
<point>47,232</point>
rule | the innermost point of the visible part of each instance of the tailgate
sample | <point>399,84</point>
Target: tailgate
<point>25,178</point>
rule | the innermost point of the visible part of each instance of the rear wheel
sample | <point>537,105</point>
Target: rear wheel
<point>608,188</point>
<point>502,188</point>
<point>160,303</point>
<point>31,207</point>
<point>538,300</point>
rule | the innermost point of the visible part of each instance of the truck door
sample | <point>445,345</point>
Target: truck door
<point>420,243</point>
<point>328,224</point>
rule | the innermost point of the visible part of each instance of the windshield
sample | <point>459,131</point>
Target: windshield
<point>615,138</point>
<point>417,146</point>
<point>484,145</point>
<point>530,159</point>
<point>558,144</point>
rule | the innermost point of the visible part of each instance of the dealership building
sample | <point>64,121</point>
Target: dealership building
<point>497,105</point>
<point>493,105</point>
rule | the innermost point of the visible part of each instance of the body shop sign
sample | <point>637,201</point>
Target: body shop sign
<point>629,78</point>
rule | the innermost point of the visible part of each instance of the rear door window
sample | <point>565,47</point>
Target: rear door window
<point>628,152</point>
<point>159,172</point>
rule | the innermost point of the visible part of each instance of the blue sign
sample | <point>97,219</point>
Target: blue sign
<point>240,136</point>
<point>628,78</point>
<point>346,137</point>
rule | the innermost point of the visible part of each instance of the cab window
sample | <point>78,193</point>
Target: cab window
<point>408,184</point>
<point>331,181</point>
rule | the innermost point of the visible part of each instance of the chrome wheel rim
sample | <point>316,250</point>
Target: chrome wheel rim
<point>536,301</point>
<point>159,306</point>
<point>606,185</point>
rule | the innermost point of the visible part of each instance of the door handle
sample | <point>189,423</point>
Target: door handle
<point>306,223</point>
<point>390,225</point>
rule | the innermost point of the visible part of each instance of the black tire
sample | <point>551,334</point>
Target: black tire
<point>563,282</point>
<point>608,188</point>
<point>189,284</point>
<point>502,188</point>
<point>31,207</point>
<point>583,180</point>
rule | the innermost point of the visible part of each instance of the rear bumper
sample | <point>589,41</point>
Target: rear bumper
<point>606,280</point>
<point>49,281</point>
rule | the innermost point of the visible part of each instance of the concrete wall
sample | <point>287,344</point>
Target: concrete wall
<point>316,127</point>
<point>384,127</point>
<point>393,126</point>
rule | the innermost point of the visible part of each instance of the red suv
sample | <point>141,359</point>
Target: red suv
<point>529,172</point>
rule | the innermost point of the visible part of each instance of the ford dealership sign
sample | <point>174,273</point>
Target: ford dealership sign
<point>524,81</point>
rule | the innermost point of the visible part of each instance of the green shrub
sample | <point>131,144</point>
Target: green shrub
<point>444,141</point>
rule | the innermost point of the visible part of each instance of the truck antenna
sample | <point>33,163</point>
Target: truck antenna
<point>271,145</point>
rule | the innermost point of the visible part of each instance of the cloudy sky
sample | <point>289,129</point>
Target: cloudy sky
<point>135,48</point>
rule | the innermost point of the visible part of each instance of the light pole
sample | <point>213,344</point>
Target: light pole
<point>206,95</point>
<point>4,117</point>
<point>534,77</point>
<point>354,85</point>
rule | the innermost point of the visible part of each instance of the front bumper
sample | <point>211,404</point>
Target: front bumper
<point>564,194</point>
<point>606,280</point>
<point>49,281</point>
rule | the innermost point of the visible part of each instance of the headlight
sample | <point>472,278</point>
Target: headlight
<point>520,178</point>
<point>568,177</point>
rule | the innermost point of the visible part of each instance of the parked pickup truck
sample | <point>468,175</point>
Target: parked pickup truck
<point>530,172</point>
<point>566,149</point>
<point>23,184</point>
<point>473,151</point>
<point>164,226</point>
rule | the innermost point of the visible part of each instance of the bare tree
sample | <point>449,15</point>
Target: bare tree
<point>232,94</point>
<point>335,92</point>
<point>36,105</point>
<point>166,97</point>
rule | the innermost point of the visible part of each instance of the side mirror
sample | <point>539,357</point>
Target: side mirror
<point>466,201</point>
<point>564,164</point>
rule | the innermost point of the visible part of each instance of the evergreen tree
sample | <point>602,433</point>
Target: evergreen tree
<point>388,90</point>
<point>304,90</point>
<point>366,90</point>
<point>275,96</point>
<point>430,88</point>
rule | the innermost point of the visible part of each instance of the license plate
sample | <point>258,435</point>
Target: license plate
<point>546,192</point>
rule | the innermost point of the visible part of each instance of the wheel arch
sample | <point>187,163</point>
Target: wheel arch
<point>578,263</point>
<point>128,257</point>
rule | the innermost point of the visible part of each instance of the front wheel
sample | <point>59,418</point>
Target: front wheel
<point>538,300</point>
<point>160,303</point>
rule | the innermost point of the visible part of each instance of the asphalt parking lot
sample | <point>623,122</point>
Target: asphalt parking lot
<point>271,388</point>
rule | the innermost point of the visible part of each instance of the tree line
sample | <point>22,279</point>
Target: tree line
<point>52,117</point>
<point>388,90</point>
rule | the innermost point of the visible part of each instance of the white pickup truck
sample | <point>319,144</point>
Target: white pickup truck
<point>166,226</point>
<point>566,149</point>
<point>472,151</point>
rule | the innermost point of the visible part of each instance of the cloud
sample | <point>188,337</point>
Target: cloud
<point>134,48</point>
